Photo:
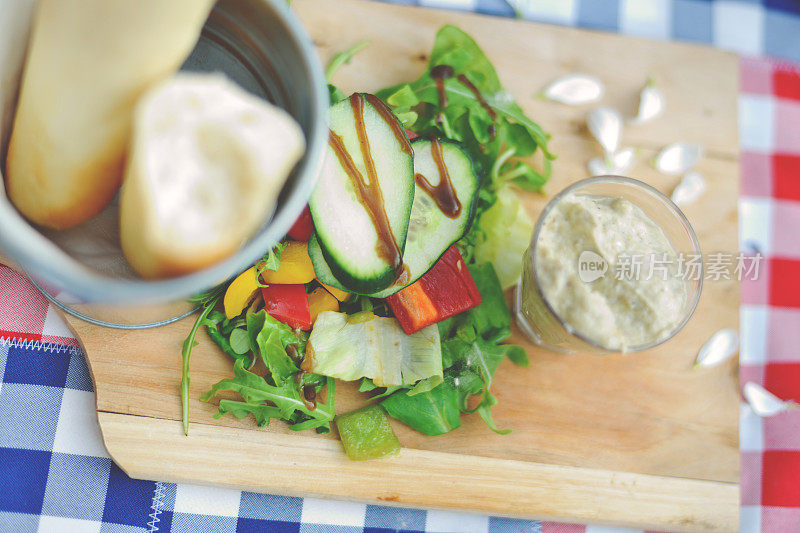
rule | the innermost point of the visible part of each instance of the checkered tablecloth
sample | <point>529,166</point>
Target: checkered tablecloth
<point>56,476</point>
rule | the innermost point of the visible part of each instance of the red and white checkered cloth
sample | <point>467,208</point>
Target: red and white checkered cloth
<point>769,117</point>
<point>769,123</point>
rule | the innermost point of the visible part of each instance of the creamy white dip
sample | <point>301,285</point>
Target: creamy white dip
<point>622,308</point>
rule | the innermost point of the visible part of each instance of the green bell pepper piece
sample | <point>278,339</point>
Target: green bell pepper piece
<point>366,433</point>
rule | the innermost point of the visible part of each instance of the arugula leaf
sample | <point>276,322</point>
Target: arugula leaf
<point>266,401</point>
<point>344,57</point>
<point>516,354</point>
<point>466,118</point>
<point>271,261</point>
<point>261,412</point>
<point>485,411</point>
<point>367,385</point>
<point>186,353</point>
<point>217,328</point>
<point>212,294</point>
<point>335,94</point>
<point>475,370</point>
<point>434,412</point>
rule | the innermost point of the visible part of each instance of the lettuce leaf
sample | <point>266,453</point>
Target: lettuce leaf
<point>506,231</point>
<point>376,348</point>
<point>269,338</point>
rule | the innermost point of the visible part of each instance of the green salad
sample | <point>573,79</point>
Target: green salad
<point>394,276</point>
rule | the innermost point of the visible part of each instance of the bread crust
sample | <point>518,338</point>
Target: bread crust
<point>88,63</point>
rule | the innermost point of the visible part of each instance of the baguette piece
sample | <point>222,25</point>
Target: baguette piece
<point>88,62</point>
<point>207,163</point>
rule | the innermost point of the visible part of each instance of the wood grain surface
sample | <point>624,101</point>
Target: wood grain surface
<point>640,440</point>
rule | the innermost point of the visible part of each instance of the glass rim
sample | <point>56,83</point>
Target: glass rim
<point>671,206</point>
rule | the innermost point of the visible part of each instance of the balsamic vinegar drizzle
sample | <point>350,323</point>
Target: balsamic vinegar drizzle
<point>310,397</point>
<point>443,193</point>
<point>478,96</point>
<point>405,275</point>
<point>369,194</point>
<point>439,73</point>
<point>387,115</point>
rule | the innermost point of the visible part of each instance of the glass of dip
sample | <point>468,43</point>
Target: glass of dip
<point>613,266</point>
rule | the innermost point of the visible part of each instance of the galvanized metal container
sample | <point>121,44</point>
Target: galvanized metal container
<point>262,46</point>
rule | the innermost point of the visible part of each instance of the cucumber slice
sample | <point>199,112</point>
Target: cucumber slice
<point>362,202</point>
<point>430,232</point>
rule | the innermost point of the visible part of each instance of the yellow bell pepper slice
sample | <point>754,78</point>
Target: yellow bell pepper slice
<point>321,300</point>
<point>240,292</point>
<point>339,294</point>
<point>295,267</point>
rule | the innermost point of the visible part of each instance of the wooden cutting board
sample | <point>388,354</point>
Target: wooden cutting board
<point>639,440</point>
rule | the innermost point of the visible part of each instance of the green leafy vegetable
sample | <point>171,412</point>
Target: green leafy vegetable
<point>271,339</point>
<point>266,401</point>
<point>211,295</point>
<point>507,231</point>
<point>219,328</point>
<point>271,261</point>
<point>208,303</point>
<point>467,116</point>
<point>281,392</point>
<point>365,345</point>
<point>344,57</point>
<point>335,94</point>
<point>366,434</point>
<point>471,353</point>
<point>239,341</point>
<point>434,412</point>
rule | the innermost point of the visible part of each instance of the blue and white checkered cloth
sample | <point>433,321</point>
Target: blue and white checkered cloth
<point>749,27</point>
<point>55,475</point>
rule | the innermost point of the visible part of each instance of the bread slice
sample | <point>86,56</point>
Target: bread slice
<point>207,163</point>
<point>88,62</point>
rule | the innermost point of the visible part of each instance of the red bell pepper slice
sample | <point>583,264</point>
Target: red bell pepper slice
<point>410,134</point>
<point>303,227</point>
<point>445,290</point>
<point>289,304</point>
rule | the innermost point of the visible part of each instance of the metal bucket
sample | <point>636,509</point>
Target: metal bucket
<point>263,47</point>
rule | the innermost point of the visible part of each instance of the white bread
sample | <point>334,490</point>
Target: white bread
<point>88,62</point>
<point>207,163</point>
